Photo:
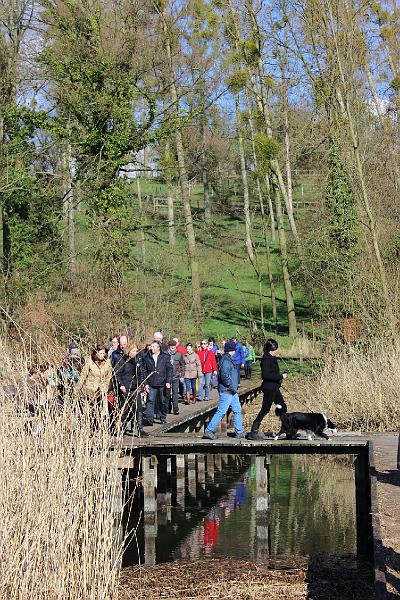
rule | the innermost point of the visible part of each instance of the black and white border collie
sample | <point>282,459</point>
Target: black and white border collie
<point>311,423</point>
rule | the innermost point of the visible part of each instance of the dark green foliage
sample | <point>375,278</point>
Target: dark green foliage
<point>31,207</point>
<point>93,60</point>
<point>267,149</point>
<point>341,205</point>
<point>343,229</point>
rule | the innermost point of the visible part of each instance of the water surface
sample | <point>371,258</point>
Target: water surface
<point>247,507</point>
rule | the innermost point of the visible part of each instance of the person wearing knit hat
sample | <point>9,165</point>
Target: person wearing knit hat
<point>228,395</point>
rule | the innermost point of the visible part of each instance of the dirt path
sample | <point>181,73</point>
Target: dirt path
<point>388,477</point>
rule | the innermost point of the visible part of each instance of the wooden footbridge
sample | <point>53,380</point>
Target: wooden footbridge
<point>177,449</point>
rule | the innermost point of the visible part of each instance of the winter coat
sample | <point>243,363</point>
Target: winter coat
<point>238,357</point>
<point>95,377</point>
<point>163,372</point>
<point>128,373</point>
<point>192,366</point>
<point>228,378</point>
<point>270,373</point>
<point>116,356</point>
<point>178,364</point>
<point>249,353</point>
<point>207,360</point>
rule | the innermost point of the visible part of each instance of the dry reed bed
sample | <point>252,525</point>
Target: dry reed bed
<point>59,492</point>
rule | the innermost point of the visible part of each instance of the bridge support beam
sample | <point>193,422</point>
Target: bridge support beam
<point>363,505</point>
<point>149,469</point>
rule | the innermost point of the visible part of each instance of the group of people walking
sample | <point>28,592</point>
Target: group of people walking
<point>143,385</point>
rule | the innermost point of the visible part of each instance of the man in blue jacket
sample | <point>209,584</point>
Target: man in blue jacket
<point>238,357</point>
<point>228,395</point>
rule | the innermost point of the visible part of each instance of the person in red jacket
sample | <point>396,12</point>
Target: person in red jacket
<point>208,367</point>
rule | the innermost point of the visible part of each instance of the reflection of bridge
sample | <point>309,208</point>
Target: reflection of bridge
<point>176,452</point>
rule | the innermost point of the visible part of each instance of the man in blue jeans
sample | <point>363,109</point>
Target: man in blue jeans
<point>228,396</point>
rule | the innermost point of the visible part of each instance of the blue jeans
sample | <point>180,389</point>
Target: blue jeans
<point>204,379</point>
<point>226,401</point>
<point>148,414</point>
<point>190,383</point>
<point>238,371</point>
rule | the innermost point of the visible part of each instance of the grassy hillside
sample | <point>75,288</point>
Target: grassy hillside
<point>229,286</point>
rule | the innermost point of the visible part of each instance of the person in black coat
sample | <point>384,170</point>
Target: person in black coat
<point>158,373</point>
<point>128,378</point>
<point>271,383</point>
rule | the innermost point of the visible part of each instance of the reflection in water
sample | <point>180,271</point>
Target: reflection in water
<point>248,507</point>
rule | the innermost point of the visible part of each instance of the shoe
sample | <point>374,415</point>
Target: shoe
<point>160,421</point>
<point>143,433</point>
<point>209,435</point>
<point>147,424</point>
<point>194,397</point>
<point>187,399</point>
<point>240,435</point>
<point>254,436</point>
<point>176,412</point>
<point>129,432</point>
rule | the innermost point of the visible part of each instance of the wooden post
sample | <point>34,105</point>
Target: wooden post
<point>192,474</point>
<point>180,480</point>
<point>201,469</point>
<point>149,466</point>
<point>363,506</point>
<point>210,467</point>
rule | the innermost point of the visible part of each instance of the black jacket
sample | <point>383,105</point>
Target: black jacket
<point>116,356</point>
<point>128,372</point>
<point>270,372</point>
<point>163,373</point>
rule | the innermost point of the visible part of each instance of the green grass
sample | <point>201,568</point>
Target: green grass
<point>230,293</point>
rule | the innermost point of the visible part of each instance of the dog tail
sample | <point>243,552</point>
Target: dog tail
<point>280,410</point>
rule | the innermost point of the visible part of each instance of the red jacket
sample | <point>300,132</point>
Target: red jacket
<point>207,359</point>
<point>181,349</point>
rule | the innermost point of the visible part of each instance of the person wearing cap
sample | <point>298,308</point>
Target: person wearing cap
<point>228,394</point>
<point>178,367</point>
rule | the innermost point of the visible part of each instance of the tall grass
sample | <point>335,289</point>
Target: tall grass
<point>358,387</point>
<point>59,489</point>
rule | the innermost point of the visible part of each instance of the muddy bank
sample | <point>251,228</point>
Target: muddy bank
<point>319,578</point>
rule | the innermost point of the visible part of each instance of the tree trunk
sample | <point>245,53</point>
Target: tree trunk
<point>184,186</point>
<point>285,266</point>
<point>263,220</point>
<point>69,213</point>
<point>142,238</point>
<point>171,220</point>
<point>206,184</point>
<point>246,195</point>
<point>170,196</point>
<point>6,245</point>
<point>345,107</point>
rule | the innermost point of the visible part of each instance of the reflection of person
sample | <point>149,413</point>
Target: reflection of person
<point>240,494</point>
<point>211,533</point>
